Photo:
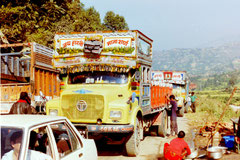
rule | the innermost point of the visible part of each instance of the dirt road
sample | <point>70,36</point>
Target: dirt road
<point>151,147</point>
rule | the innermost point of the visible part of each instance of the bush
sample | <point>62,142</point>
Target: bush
<point>210,106</point>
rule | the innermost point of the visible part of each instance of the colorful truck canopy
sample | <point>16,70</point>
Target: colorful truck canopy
<point>115,51</point>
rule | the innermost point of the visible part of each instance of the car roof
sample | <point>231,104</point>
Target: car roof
<point>25,121</point>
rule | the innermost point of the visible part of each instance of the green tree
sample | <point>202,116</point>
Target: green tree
<point>88,21</point>
<point>18,21</point>
<point>114,22</point>
<point>21,20</point>
<point>232,80</point>
<point>39,20</point>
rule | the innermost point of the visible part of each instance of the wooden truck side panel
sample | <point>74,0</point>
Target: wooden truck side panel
<point>28,70</point>
<point>10,92</point>
<point>47,82</point>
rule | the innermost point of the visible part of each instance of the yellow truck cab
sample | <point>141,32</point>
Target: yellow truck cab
<point>106,86</point>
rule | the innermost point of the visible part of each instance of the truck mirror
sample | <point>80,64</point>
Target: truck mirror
<point>133,97</point>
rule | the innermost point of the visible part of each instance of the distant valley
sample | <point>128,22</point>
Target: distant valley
<point>210,68</point>
<point>199,61</point>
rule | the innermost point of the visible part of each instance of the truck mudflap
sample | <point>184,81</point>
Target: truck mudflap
<point>110,128</point>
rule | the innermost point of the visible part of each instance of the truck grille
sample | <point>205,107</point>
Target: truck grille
<point>82,107</point>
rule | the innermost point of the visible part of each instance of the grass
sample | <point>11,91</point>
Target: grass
<point>210,106</point>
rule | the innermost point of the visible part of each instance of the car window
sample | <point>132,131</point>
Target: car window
<point>65,139</point>
<point>39,146</point>
<point>11,140</point>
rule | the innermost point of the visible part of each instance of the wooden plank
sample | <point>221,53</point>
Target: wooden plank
<point>12,79</point>
<point>6,65</point>
<point>47,68</point>
<point>8,92</point>
<point>14,84</point>
<point>38,82</point>
<point>15,45</point>
<point>43,59</point>
<point>22,68</point>
<point>4,94</point>
<point>52,92</point>
<point>43,82</point>
<point>15,54</point>
<point>54,84</point>
<point>14,92</point>
<point>17,61</point>
<point>12,66</point>
<point>32,64</point>
<point>48,84</point>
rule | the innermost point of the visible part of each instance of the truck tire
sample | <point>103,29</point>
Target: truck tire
<point>162,128</point>
<point>133,144</point>
<point>181,111</point>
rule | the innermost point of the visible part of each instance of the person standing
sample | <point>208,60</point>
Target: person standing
<point>193,101</point>
<point>173,118</point>
<point>177,149</point>
<point>22,106</point>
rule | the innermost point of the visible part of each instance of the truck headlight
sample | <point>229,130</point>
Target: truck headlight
<point>53,112</point>
<point>115,114</point>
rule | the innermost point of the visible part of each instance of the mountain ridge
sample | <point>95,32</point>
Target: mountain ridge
<point>199,61</point>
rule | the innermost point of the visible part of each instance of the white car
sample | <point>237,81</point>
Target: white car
<point>40,137</point>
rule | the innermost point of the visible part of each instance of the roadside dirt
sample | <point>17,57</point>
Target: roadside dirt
<point>151,148</point>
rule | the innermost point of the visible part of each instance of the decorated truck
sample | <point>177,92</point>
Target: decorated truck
<point>27,67</point>
<point>107,91</point>
<point>180,84</point>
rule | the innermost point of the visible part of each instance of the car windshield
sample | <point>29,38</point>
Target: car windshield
<point>11,140</point>
<point>96,77</point>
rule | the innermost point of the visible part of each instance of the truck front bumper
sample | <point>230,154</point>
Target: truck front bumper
<point>106,128</point>
<point>110,128</point>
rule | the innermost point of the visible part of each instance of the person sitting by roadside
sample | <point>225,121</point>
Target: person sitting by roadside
<point>177,149</point>
<point>23,105</point>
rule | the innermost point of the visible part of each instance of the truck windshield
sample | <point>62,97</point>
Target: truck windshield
<point>97,77</point>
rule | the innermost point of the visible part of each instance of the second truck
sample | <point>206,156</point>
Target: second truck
<point>180,83</point>
<point>107,91</point>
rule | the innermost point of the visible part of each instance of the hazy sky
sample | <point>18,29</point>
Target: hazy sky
<point>176,23</point>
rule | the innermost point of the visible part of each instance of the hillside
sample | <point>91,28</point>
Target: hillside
<point>224,81</point>
<point>199,61</point>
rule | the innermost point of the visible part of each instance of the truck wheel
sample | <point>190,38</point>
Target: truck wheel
<point>162,128</point>
<point>186,108</point>
<point>181,111</point>
<point>132,145</point>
